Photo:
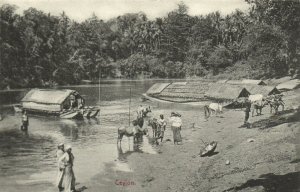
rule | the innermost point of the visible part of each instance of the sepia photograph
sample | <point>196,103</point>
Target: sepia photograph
<point>149,95</point>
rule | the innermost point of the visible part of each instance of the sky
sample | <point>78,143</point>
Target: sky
<point>80,10</point>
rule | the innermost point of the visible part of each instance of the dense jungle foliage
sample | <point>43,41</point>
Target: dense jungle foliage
<point>39,49</point>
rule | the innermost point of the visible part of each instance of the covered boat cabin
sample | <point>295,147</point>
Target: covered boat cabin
<point>52,101</point>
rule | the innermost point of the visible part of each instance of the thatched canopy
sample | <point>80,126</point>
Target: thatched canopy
<point>234,82</point>
<point>289,85</point>
<point>253,82</point>
<point>157,88</point>
<point>47,96</point>
<point>264,90</point>
<point>48,100</point>
<point>191,91</point>
<point>221,91</point>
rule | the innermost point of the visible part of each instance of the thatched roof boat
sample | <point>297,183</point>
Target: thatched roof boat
<point>263,90</point>
<point>226,92</point>
<point>289,85</point>
<point>65,103</point>
<point>157,88</point>
<point>243,82</point>
<point>184,92</point>
<point>253,82</point>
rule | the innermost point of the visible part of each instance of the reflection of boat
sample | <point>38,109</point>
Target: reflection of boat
<point>209,149</point>
<point>91,112</point>
<point>64,103</point>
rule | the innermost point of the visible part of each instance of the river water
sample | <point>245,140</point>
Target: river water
<point>27,160</point>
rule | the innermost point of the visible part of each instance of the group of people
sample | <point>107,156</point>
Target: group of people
<point>161,123</point>
<point>65,177</point>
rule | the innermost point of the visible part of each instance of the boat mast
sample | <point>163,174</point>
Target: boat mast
<point>99,87</point>
<point>129,106</point>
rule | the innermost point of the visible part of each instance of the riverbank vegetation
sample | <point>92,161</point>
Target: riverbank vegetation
<point>40,49</point>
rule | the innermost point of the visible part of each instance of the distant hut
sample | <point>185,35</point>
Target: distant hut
<point>289,85</point>
<point>253,82</point>
<point>51,100</point>
<point>226,92</point>
<point>264,90</point>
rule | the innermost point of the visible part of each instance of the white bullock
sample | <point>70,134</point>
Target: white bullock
<point>255,98</point>
<point>257,102</point>
<point>215,107</point>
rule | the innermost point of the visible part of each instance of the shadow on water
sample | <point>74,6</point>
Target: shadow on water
<point>273,183</point>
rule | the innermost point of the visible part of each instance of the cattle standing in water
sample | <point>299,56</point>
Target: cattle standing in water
<point>130,133</point>
<point>143,111</point>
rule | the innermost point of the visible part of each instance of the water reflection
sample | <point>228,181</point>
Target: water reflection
<point>20,152</point>
<point>31,157</point>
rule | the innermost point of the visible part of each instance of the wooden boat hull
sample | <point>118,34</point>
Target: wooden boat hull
<point>71,115</point>
<point>74,114</point>
<point>91,113</point>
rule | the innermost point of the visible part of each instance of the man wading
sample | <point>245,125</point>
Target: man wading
<point>25,121</point>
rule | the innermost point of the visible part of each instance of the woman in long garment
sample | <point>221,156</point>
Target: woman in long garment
<point>176,123</point>
<point>69,177</point>
<point>61,166</point>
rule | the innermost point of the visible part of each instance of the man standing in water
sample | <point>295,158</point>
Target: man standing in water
<point>61,167</point>
<point>25,121</point>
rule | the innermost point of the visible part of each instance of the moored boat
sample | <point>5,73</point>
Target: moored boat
<point>71,115</point>
<point>64,103</point>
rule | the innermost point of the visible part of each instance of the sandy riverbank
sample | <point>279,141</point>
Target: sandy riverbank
<point>269,163</point>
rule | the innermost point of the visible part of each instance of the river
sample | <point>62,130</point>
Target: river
<point>27,160</point>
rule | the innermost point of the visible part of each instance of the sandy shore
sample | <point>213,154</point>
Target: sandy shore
<point>269,163</point>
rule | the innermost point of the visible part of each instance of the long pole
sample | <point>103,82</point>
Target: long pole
<point>129,106</point>
<point>99,88</point>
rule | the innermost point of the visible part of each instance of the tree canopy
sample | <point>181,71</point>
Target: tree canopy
<point>40,49</point>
